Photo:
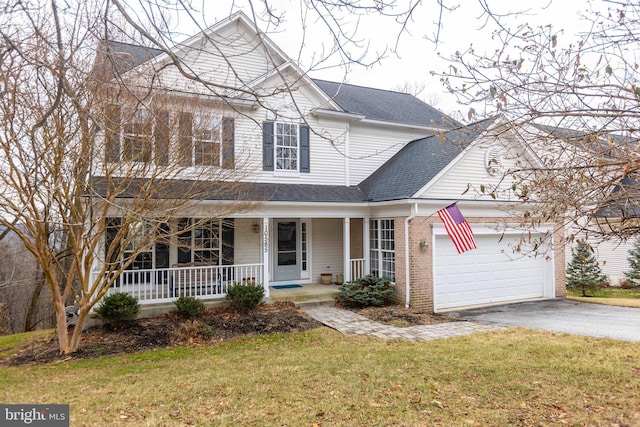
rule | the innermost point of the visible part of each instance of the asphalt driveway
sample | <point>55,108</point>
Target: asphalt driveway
<point>560,315</point>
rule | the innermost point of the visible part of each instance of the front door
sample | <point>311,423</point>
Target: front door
<point>287,259</point>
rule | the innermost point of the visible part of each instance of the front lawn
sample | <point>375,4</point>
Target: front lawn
<point>609,295</point>
<point>321,377</point>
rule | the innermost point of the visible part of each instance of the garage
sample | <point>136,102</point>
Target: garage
<point>490,274</point>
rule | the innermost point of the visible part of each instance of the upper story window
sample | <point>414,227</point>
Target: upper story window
<point>144,135</point>
<point>137,138</point>
<point>206,140</point>
<point>285,147</point>
<point>139,135</point>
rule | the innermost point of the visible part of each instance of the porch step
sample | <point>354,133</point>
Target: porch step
<point>307,295</point>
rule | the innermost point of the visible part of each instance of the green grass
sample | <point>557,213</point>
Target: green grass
<point>610,296</point>
<point>512,377</point>
<point>9,342</point>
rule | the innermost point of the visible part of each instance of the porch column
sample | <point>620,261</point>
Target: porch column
<point>346,247</point>
<point>265,256</point>
<point>366,246</point>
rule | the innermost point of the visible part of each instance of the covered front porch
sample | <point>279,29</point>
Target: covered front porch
<point>287,256</point>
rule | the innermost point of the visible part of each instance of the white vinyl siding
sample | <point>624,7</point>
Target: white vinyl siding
<point>326,252</point>
<point>466,178</point>
<point>211,64</point>
<point>247,243</point>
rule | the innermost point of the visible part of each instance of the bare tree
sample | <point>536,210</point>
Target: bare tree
<point>67,168</point>
<point>575,100</point>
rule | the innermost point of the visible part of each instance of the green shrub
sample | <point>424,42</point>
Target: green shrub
<point>245,296</point>
<point>367,291</point>
<point>118,308</point>
<point>189,307</point>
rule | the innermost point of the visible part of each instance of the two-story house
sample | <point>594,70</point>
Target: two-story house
<point>345,180</point>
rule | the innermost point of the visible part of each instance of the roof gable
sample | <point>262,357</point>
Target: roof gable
<point>420,161</point>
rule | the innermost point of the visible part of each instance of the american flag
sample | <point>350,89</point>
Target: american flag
<point>457,228</point>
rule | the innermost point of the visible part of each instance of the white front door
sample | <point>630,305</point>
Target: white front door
<point>287,250</point>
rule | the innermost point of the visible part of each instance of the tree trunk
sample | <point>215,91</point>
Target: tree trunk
<point>33,305</point>
<point>61,322</point>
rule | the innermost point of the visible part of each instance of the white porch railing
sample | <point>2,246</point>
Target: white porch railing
<point>357,268</point>
<point>202,282</point>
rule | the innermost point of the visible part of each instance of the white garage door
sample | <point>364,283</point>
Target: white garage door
<point>490,274</point>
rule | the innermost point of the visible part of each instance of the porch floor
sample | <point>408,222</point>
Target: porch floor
<point>311,294</point>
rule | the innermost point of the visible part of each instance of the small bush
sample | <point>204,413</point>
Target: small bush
<point>194,330</point>
<point>118,308</point>
<point>245,296</point>
<point>365,292</point>
<point>627,284</point>
<point>189,307</point>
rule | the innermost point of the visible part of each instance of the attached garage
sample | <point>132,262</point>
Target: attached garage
<point>492,273</point>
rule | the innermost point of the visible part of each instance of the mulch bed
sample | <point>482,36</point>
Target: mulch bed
<point>403,317</point>
<point>216,325</point>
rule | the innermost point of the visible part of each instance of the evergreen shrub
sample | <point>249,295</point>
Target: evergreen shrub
<point>190,307</point>
<point>368,291</point>
<point>118,308</point>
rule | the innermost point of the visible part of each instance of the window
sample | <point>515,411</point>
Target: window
<point>206,140</point>
<point>382,248</point>
<point>304,250</point>
<point>286,147</point>
<point>137,235</point>
<point>136,145</point>
<point>199,241</point>
<point>139,135</point>
<point>145,249</point>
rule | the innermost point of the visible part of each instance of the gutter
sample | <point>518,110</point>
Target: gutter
<point>407,290</point>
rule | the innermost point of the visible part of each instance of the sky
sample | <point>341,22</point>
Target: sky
<point>416,55</point>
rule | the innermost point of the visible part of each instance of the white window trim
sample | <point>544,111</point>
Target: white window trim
<point>199,119</point>
<point>285,172</point>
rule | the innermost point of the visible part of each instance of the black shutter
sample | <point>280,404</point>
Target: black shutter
<point>185,139</point>
<point>162,246</point>
<point>184,241</point>
<point>112,133</point>
<point>267,146</point>
<point>227,241</point>
<point>228,149</point>
<point>161,138</point>
<point>112,226</point>
<point>305,160</point>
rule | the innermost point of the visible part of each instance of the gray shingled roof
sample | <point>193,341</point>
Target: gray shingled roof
<point>419,162</point>
<point>126,56</point>
<point>385,105</point>
<point>624,200</point>
<point>265,192</point>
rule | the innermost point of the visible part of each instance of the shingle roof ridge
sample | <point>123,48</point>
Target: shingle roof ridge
<point>365,87</point>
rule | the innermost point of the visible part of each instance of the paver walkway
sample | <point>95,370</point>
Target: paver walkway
<point>348,322</point>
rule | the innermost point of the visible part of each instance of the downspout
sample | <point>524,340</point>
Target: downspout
<point>406,256</point>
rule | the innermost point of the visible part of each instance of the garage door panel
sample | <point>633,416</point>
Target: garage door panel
<point>492,273</point>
